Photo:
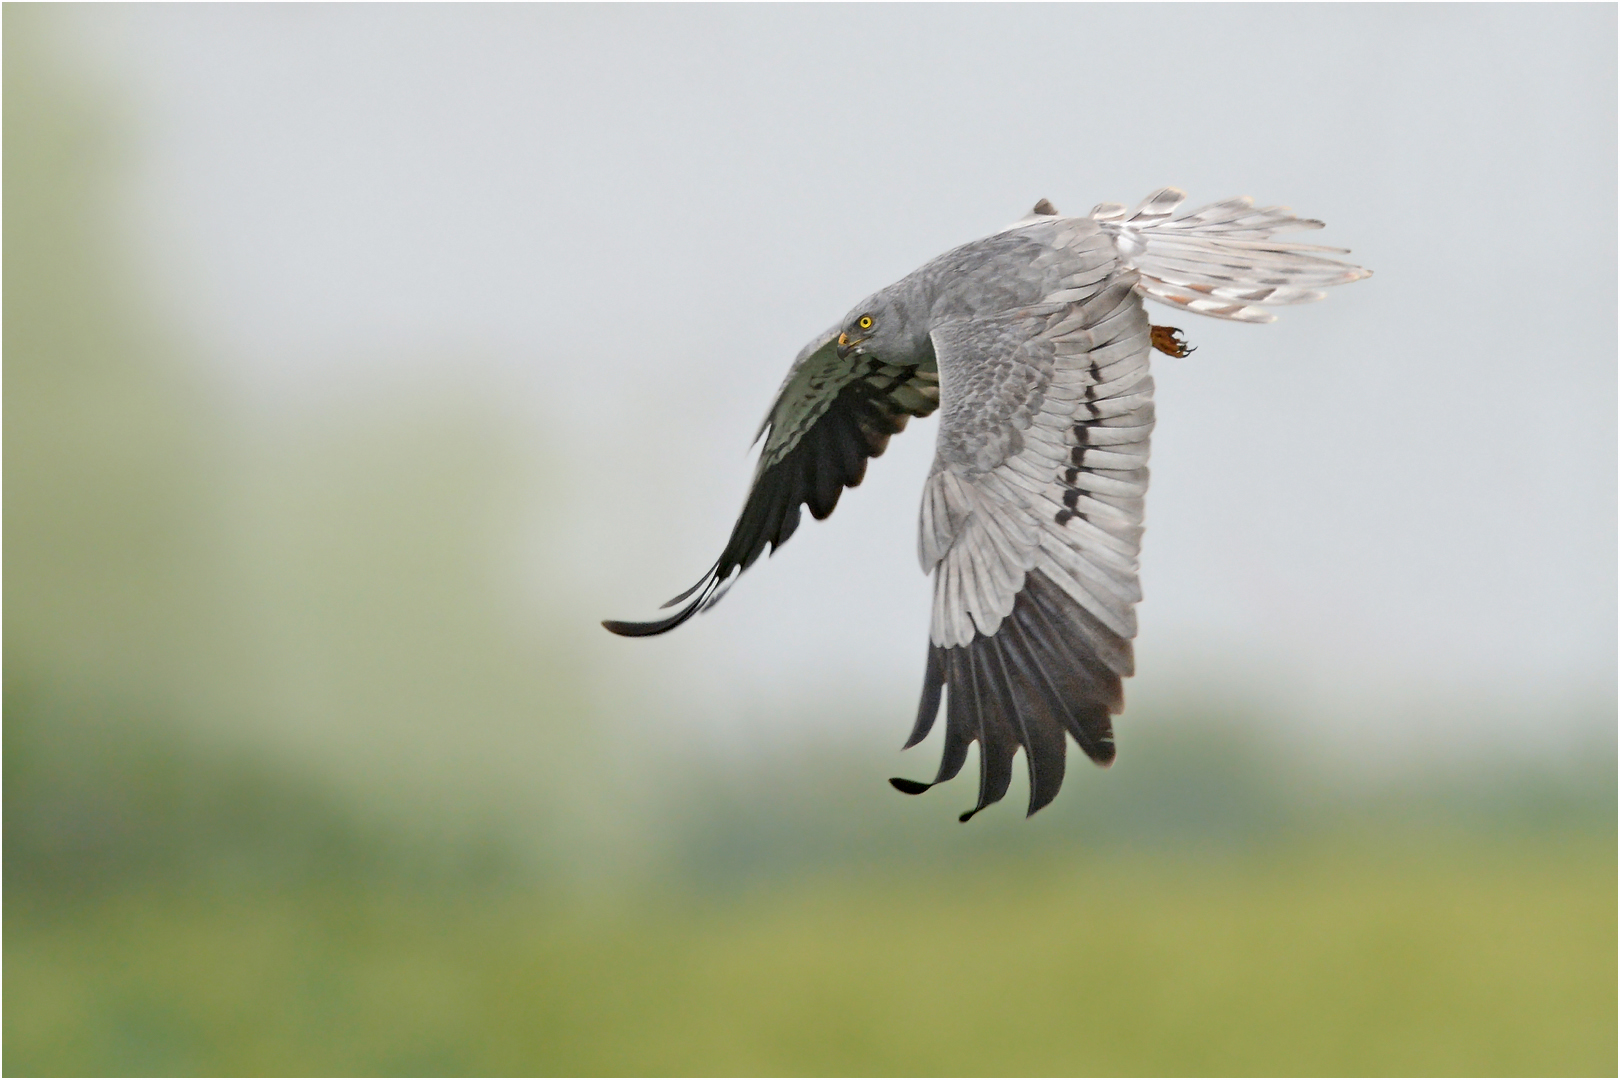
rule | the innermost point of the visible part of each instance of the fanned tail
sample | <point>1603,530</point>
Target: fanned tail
<point>1220,260</point>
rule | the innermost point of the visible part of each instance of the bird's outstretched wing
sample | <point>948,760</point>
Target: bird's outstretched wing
<point>1032,520</point>
<point>1220,260</point>
<point>830,416</point>
<point>1031,523</point>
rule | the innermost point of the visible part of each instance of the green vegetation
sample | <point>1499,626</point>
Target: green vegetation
<point>1451,957</point>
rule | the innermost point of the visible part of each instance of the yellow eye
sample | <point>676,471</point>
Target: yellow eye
<point>866,322</point>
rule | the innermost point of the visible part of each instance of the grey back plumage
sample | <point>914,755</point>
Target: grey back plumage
<point>1035,345</point>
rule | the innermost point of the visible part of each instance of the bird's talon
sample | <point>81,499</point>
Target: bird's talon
<point>1169,340</point>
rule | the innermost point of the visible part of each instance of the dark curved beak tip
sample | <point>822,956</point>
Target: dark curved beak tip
<point>844,351</point>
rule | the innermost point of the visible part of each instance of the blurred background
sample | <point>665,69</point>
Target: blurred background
<point>358,360</point>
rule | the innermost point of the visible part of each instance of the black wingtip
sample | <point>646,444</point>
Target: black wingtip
<point>638,629</point>
<point>967,815</point>
<point>1039,801</point>
<point>909,787</point>
<point>651,629</point>
<point>701,582</point>
<point>708,592</point>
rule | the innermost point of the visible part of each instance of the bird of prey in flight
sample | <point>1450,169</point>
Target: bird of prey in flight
<point>1033,343</point>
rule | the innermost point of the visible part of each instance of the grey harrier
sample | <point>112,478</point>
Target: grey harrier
<point>1034,344</point>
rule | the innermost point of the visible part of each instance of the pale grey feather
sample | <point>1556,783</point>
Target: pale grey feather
<point>1220,260</point>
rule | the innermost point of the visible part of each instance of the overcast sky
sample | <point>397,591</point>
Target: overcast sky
<point>1392,512</point>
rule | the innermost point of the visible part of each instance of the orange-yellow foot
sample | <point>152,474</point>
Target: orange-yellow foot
<point>1168,340</point>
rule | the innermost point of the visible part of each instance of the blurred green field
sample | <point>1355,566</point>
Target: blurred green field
<point>1341,957</point>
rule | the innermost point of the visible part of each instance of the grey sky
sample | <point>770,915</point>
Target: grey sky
<point>1393,510</point>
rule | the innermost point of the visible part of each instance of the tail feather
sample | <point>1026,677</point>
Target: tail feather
<point>1220,260</point>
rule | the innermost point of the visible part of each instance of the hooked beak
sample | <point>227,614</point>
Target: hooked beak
<point>846,346</point>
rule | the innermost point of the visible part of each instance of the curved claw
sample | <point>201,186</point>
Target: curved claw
<point>1169,340</point>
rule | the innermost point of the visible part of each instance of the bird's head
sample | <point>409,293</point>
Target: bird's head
<point>879,327</point>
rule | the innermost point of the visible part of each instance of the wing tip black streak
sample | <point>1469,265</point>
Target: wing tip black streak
<point>649,629</point>
<point>702,581</point>
<point>1037,680</point>
<point>708,590</point>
